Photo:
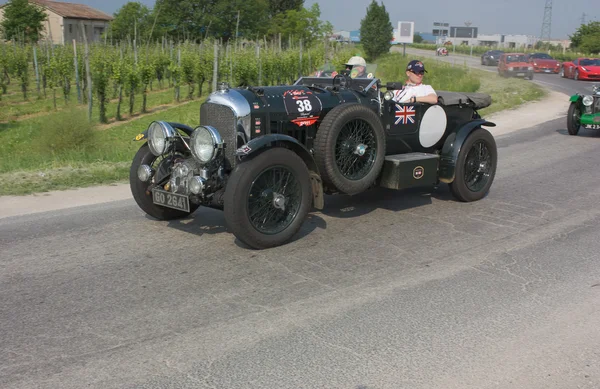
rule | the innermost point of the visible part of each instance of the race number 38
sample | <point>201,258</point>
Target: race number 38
<point>302,104</point>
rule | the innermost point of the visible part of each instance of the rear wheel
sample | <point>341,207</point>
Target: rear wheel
<point>139,189</point>
<point>475,167</point>
<point>350,148</point>
<point>267,198</point>
<point>573,119</point>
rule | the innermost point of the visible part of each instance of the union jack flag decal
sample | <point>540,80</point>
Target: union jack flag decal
<point>405,114</point>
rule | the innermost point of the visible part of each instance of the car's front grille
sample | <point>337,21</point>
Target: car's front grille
<point>223,119</point>
<point>596,105</point>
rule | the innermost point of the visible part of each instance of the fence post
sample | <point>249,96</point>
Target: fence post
<point>215,67</point>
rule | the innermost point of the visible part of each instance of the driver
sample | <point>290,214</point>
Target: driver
<point>414,91</point>
<point>357,66</point>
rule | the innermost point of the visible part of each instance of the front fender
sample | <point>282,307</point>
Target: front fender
<point>452,147</point>
<point>574,98</point>
<point>263,143</point>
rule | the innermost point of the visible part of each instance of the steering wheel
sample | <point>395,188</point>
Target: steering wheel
<point>345,81</point>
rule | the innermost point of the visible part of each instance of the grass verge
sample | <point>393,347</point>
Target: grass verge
<point>62,150</point>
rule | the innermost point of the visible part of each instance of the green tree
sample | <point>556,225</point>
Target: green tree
<point>281,6</point>
<point>253,18</point>
<point>417,38</point>
<point>23,20</point>
<point>585,30</point>
<point>376,31</point>
<point>133,17</point>
<point>303,24</point>
<point>591,43</point>
<point>195,19</point>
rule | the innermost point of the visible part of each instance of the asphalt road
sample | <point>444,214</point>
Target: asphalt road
<point>552,81</point>
<point>384,290</point>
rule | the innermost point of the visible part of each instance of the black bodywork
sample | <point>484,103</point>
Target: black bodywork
<point>383,138</point>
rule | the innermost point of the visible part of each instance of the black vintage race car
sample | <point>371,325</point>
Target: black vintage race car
<point>267,155</point>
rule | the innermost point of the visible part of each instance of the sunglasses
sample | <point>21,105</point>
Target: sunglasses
<point>418,73</point>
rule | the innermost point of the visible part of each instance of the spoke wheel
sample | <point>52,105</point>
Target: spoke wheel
<point>573,119</point>
<point>475,166</point>
<point>274,200</point>
<point>478,166</point>
<point>267,198</point>
<point>350,148</point>
<point>355,150</point>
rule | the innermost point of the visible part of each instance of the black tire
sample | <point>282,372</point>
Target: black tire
<point>243,194</point>
<point>561,72</point>
<point>576,75</point>
<point>573,122</point>
<point>530,76</point>
<point>469,157</point>
<point>138,189</point>
<point>332,147</point>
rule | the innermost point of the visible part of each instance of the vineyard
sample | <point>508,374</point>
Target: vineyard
<point>37,78</point>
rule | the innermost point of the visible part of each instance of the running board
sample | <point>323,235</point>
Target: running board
<point>401,171</point>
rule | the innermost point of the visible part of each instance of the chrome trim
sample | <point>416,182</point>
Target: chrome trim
<point>238,104</point>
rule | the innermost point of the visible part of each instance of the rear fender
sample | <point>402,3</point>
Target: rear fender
<point>452,147</point>
<point>263,143</point>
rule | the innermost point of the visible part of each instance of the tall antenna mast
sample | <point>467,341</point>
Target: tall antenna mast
<point>547,23</point>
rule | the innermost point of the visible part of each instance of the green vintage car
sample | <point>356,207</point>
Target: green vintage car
<point>584,111</point>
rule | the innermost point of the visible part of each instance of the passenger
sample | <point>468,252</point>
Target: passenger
<point>414,91</point>
<point>357,66</point>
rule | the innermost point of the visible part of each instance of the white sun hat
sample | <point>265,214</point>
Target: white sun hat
<point>356,61</point>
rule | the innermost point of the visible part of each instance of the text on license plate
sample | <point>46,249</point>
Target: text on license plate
<point>592,126</point>
<point>171,200</point>
<point>520,74</point>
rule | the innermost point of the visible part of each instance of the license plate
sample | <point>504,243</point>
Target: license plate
<point>547,70</point>
<point>592,126</point>
<point>171,200</point>
<point>520,74</point>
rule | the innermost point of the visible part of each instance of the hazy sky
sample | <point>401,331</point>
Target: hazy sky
<point>513,17</point>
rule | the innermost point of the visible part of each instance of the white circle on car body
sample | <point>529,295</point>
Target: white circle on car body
<point>433,126</point>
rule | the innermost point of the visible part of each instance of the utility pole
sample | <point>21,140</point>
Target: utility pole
<point>583,18</point>
<point>547,22</point>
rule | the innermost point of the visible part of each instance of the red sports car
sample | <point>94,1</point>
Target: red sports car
<point>543,63</point>
<point>582,69</point>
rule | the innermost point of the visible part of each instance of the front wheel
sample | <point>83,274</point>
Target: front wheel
<point>139,189</point>
<point>475,167</point>
<point>267,198</point>
<point>573,119</point>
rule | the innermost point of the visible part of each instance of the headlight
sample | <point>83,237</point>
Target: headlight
<point>205,143</point>
<point>388,95</point>
<point>510,68</point>
<point>584,69</point>
<point>160,135</point>
<point>530,68</point>
<point>588,100</point>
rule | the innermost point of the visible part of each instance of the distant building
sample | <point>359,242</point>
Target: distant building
<point>63,22</point>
